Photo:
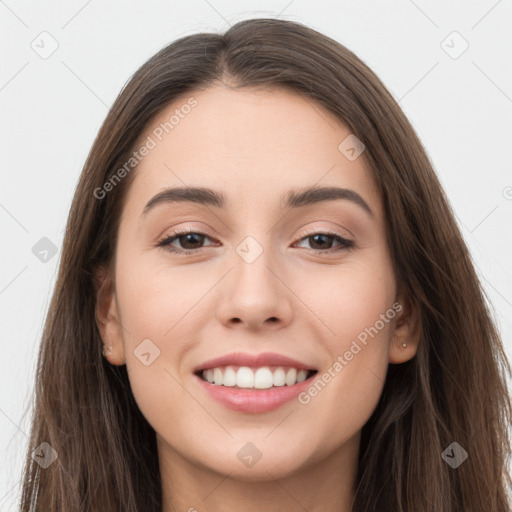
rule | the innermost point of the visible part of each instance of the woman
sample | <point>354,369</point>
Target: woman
<point>258,369</point>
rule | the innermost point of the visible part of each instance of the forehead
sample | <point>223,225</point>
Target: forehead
<point>253,144</point>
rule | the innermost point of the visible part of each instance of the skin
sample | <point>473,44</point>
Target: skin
<point>254,145</point>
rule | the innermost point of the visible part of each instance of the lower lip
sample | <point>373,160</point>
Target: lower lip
<point>254,400</point>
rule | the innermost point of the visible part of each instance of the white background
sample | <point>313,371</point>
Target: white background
<point>51,109</point>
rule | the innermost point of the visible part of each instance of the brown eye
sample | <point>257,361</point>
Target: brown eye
<point>189,241</point>
<point>322,242</point>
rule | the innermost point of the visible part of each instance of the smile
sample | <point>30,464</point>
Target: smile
<point>253,383</point>
<point>245,396</point>
<point>264,377</point>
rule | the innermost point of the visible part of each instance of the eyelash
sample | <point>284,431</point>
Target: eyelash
<point>168,239</point>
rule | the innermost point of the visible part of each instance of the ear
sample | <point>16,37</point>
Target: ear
<point>407,329</point>
<point>107,316</point>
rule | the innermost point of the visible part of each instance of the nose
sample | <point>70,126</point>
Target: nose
<point>255,294</point>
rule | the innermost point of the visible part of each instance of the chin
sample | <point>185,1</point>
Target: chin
<point>276,464</point>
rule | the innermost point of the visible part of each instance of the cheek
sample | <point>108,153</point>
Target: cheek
<point>349,299</point>
<point>355,305</point>
<point>158,309</point>
<point>157,297</point>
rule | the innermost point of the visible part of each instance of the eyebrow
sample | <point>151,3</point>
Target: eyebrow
<point>292,199</point>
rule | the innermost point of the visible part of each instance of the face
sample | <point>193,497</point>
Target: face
<point>271,287</point>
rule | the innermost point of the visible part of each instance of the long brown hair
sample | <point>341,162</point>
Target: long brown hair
<point>453,390</point>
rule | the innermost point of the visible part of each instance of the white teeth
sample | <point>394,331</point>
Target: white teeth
<point>244,377</point>
<point>229,377</point>
<point>302,375</point>
<point>291,377</point>
<point>217,375</point>
<point>260,378</point>
<point>263,378</point>
<point>279,378</point>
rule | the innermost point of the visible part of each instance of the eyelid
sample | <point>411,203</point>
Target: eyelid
<point>176,232</point>
<point>165,242</point>
<point>173,232</point>
<point>326,231</point>
<point>201,231</point>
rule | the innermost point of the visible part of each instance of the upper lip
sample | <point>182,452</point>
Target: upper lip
<point>255,361</point>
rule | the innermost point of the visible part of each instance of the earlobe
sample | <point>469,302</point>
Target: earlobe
<point>107,318</point>
<point>407,331</point>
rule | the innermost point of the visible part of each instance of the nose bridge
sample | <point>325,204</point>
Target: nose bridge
<point>255,255</point>
<point>253,293</point>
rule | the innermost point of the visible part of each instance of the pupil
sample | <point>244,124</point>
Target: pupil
<point>321,236</point>
<point>190,235</point>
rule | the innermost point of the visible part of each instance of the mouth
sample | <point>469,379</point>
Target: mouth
<point>253,383</point>
<point>254,390</point>
<point>255,378</point>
